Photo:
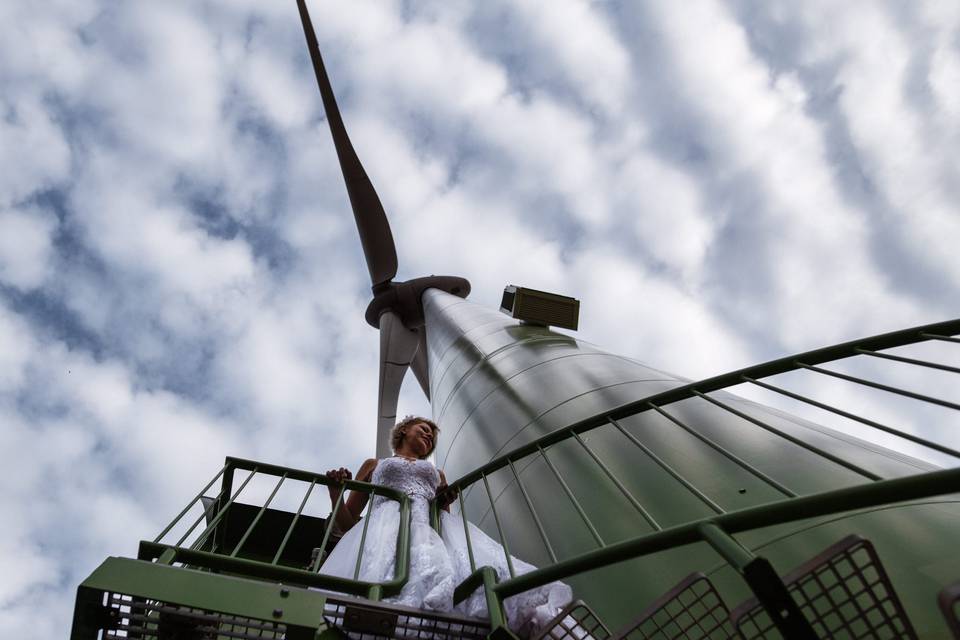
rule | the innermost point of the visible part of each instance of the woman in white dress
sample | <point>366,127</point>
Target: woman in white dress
<point>437,564</point>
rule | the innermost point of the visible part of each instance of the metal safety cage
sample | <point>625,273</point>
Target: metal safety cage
<point>226,575</point>
<point>717,530</point>
<point>844,592</point>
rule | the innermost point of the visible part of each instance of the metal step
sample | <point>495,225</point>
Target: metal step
<point>577,621</point>
<point>844,592</point>
<point>362,619</point>
<point>692,610</point>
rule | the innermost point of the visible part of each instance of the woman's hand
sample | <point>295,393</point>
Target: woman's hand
<point>337,477</point>
<point>446,495</point>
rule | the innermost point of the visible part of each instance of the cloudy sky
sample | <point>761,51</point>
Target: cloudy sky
<point>719,182</point>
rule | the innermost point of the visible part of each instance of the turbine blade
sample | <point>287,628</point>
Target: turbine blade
<point>375,236</point>
<point>397,348</point>
<point>419,363</point>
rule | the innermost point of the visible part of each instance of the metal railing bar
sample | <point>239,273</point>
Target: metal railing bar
<point>729,454</point>
<point>206,511</point>
<point>363,535</point>
<point>256,518</point>
<point>533,512</point>
<point>191,503</point>
<point>934,336</point>
<point>684,391</point>
<point>402,566</point>
<point>853,498</point>
<point>466,531</point>
<point>616,481</point>
<point>327,530</point>
<point>293,523</point>
<point>882,387</point>
<point>219,516</point>
<point>797,441</point>
<point>666,467</point>
<point>261,569</point>
<point>298,474</point>
<point>496,519</point>
<point>860,419</point>
<point>573,499</point>
<point>921,363</point>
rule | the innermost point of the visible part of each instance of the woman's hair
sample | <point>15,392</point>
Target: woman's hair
<point>400,429</point>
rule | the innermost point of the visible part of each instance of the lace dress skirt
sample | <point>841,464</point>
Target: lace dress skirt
<point>438,564</point>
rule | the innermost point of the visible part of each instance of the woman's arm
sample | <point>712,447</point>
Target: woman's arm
<point>350,509</point>
<point>445,494</point>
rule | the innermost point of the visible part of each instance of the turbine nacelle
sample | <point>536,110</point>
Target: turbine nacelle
<point>405,298</point>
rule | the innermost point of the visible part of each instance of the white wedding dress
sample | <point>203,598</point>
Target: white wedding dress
<point>437,565</point>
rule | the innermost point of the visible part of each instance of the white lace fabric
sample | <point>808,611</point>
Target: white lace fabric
<point>437,565</point>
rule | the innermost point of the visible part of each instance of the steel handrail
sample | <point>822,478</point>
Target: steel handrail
<point>228,561</point>
<point>718,383</point>
<point>716,529</point>
<point>924,485</point>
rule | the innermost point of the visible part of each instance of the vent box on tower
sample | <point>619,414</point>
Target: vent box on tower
<point>539,307</point>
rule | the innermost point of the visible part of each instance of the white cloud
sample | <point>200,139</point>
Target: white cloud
<point>711,202</point>
<point>34,154</point>
<point>26,247</point>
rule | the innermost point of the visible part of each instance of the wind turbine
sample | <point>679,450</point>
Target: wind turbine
<point>396,309</point>
<point>603,471</point>
<point>507,394</point>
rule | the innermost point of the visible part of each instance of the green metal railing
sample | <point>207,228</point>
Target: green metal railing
<point>210,548</point>
<point>717,529</point>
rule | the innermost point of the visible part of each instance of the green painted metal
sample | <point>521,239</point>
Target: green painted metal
<point>616,481</point>
<point>659,461</point>
<point>841,500</point>
<point>363,540</point>
<point>301,610</point>
<point>919,363</point>
<point>573,499</point>
<point>502,392</point>
<point>696,464</point>
<point>882,387</point>
<point>533,512</point>
<point>789,438</point>
<point>259,515</point>
<point>716,447</point>
<point>328,530</point>
<point>195,500</point>
<point>485,577</point>
<point>764,582</point>
<point>212,526</point>
<point>293,524</point>
<point>211,559</point>
<point>503,538</point>
<point>466,533</point>
<point>852,416</point>
<point>936,336</point>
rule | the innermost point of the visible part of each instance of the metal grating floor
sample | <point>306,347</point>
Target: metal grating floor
<point>149,620</point>
<point>360,620</point>
<point>844,592</point>
<point>577,621</point>
<point>692,610</point>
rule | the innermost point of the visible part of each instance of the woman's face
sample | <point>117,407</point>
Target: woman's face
<point>418,439</point>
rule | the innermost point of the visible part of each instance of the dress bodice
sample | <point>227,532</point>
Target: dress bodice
<point>416,478</point>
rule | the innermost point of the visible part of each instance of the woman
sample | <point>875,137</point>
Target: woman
<point>437,565</point>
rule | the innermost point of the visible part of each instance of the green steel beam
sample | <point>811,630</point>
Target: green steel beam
<point>301,610</point>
